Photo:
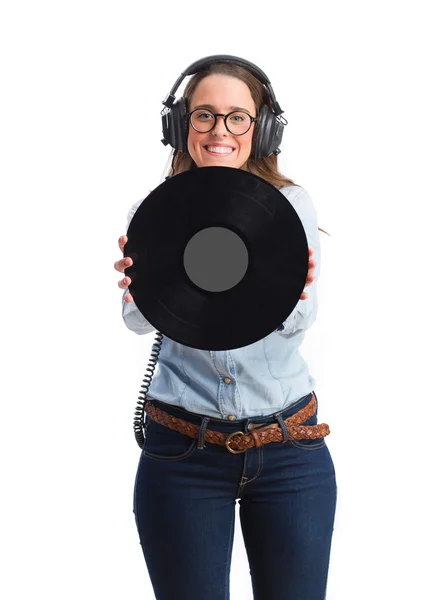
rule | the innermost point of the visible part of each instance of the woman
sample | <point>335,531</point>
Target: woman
<point>186,487</point>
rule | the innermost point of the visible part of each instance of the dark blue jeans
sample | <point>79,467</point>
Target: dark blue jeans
<point>184,506</point>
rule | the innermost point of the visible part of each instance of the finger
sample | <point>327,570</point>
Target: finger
<point>128,297</point>
<point>310,277</point>
<point>123,263</point>
<point>124,283</point>
<point>311,271</point>
<point>119,265</point>
<point>122,241</point>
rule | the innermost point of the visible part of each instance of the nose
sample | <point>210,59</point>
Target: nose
<point>219,127</point>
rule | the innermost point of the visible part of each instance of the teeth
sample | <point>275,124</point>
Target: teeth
<point>219,149</point>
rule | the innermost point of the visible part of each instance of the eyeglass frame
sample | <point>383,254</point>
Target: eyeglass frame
<point>225,116</point>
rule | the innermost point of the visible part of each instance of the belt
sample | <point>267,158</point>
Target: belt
<point>239,441</point>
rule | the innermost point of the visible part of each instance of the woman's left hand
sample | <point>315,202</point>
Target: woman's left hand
<point>310,275</point>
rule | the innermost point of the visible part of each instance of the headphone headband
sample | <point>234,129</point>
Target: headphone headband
<point>203,63</point>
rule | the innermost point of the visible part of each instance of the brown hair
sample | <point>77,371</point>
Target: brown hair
<point>263,167</point>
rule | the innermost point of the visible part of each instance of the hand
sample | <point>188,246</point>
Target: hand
<point>120,265</point>
<point>310,275</point>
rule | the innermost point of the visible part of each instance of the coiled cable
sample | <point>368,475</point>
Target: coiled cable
<point>139,423</point>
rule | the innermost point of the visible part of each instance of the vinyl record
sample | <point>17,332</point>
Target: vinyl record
<point>220,258</point>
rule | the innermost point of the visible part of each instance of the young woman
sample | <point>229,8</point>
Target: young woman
<point>187,483</point>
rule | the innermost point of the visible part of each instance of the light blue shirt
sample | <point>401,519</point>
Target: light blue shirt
<point>256,380</point>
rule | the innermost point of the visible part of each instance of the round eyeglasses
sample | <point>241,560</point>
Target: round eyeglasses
<point>237,122</point>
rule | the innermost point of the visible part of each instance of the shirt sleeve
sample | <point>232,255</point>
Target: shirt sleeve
<point>305,311</point>
<point>131,315</point>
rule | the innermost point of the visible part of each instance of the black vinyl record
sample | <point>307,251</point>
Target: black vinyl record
<point>220,258</point>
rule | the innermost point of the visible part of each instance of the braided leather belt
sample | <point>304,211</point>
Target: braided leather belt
<point>255,437</point>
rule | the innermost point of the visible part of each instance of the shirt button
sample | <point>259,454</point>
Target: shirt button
<point>231,418</point>
<point>227,380</point>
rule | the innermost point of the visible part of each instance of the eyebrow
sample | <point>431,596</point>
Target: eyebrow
<point>212,107</point>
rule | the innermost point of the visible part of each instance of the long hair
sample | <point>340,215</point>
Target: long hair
<point>263,167</point>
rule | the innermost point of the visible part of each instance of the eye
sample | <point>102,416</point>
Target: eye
<point>203,115</point>
<point>239,117</point>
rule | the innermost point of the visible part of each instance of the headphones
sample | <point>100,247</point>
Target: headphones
<point>269,126</point>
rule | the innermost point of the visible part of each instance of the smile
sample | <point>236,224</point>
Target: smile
<point>218,149</point>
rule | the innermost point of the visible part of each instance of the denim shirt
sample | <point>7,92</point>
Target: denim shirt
<point>256,380</point>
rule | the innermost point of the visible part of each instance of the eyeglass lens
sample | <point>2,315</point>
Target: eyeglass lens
<point>236,122</point>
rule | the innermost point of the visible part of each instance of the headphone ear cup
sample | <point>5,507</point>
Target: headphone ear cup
<point>175,126</point>
<point>269,133</point>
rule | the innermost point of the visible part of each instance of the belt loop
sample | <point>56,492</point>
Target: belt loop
<point>282,424</point>
<point>203,426</point>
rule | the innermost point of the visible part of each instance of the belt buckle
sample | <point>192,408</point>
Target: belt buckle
<point>228,439</point>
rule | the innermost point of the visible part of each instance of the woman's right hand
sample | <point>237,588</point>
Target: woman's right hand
<point>120,266</point>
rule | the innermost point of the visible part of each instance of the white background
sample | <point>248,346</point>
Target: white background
<point>82,86</point>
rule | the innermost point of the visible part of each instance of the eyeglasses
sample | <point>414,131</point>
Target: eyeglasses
<point>237,122</point>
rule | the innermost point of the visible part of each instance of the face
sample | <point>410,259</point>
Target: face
<point>220,93</point>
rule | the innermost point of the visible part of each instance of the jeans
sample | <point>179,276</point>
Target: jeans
<point>184,507</point>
